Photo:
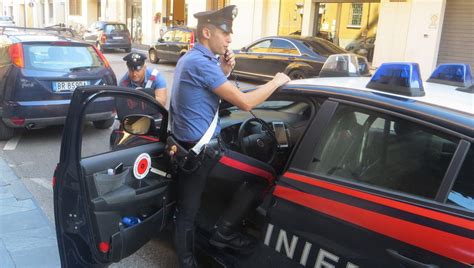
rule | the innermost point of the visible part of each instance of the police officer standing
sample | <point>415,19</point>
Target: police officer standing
<point>139,76</point>
<point>200,81</point>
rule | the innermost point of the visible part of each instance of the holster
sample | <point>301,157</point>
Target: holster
<point>186,160</point>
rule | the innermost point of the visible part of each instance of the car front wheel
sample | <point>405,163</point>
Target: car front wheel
<point>297,74</point>
<point>103,124</point>
<point>153,57</point>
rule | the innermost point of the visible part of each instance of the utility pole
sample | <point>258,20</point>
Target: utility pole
<point>24,13</point>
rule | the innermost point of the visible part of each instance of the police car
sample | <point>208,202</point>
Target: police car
<point>371,172</point>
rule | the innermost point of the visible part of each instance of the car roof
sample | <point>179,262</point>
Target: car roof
<point>443,101</point>
<point>110,22</point>
<point>183,28</point>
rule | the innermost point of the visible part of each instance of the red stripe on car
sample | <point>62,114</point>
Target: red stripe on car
<point>439,216</point>
<point>440,242</point>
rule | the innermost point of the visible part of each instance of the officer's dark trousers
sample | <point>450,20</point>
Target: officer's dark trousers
<point>254,177</point>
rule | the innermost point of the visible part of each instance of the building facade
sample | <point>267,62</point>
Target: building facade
<point>428,32</point>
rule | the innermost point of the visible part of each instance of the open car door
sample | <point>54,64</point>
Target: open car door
<point>111,188</point>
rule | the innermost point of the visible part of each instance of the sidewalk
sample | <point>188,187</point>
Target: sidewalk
<point>27,238</point>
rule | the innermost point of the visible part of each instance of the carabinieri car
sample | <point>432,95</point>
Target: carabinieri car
<point>371,172</point>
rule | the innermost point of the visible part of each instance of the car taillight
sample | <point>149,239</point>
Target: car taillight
<point>191,42</point>
<point>16,54</point>
<point>102,57</point>
<point>19,121</point>
<point>103,37</point>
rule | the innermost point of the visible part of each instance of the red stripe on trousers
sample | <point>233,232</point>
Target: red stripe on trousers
<point>225,160</point>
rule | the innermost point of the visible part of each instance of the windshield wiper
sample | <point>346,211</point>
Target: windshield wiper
<point>83,68</point>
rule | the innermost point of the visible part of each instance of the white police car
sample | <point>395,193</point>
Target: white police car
<point>371,172</point>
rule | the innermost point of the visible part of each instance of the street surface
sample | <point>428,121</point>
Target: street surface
<point>34,154</point>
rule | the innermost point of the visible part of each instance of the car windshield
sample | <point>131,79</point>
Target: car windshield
<point>323,47</point>
<point>111,28</point>
<point>60,58</point>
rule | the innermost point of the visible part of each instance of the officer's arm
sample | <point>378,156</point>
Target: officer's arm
<point>247,101</point>
<point>160,95</point>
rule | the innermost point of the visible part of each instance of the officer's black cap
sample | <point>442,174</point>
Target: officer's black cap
<point>222,18</point>
<point>135,61</point>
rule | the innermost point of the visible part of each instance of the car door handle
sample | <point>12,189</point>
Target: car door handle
<point>260,56</point>
<point>291,58</point>
<point>408,261</point>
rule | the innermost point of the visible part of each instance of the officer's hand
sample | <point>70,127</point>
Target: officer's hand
<point>280,79</point>
<point>227,62</point>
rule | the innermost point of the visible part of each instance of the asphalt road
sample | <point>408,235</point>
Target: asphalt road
<point>33,155</point>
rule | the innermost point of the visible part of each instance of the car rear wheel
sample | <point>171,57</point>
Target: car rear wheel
<point>5,131</point>
<point>103,124</point>
<point>297,74</point>
<point>153,57</point>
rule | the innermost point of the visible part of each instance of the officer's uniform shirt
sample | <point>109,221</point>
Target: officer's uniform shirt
<point>193,102</point>
<point>159,83</point>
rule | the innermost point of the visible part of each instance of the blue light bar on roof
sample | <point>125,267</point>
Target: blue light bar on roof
<point>398,78</point>
<point>453,74</point>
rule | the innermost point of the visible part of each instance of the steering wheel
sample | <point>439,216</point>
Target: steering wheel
<point>261,145</point>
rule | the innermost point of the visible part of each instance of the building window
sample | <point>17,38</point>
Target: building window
<point>356,15</point>
<point>51,9</point>
<point>75,7</point>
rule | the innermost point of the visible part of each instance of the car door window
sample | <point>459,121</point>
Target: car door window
<point>462,193</point>
<point>169,36</point>
<point>283,47</point>
<point>103,131</point>
<point>384,151</point>
<point>261,47</point>
<point>180,36</point>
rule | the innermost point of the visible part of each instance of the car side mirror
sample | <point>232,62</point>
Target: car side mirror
<point>138,124</point>
<point>160,40</point>
<point>243,49</point>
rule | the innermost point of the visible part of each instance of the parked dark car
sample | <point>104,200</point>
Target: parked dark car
<point>6,21</point>
<point>368,172</point>
<point>363,46</point>
<point>174,44</point>
<point>39,72</point>
<point>109,35</point>
<point>298,57</point>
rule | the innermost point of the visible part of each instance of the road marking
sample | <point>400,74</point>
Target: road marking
<point>12,143</point>
<point>46,183</point>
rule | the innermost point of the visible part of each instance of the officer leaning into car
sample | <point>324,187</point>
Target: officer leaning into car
<point>200,82</point>
<point>138,76</point>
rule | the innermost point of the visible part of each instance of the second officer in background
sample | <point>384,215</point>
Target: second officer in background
<point>140,76</point>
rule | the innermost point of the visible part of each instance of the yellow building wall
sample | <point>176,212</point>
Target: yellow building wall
<point>346,33</point>
<point>290,17</point>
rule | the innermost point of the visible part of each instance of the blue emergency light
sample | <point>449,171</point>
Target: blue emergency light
<point>398,78</point>
<point>453,74</point>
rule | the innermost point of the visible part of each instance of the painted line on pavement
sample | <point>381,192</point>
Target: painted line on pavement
<point>12,143</point>
<point>46,183</point>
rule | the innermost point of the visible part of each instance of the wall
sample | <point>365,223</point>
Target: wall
<point>406,33</point>
<point>290,17</point>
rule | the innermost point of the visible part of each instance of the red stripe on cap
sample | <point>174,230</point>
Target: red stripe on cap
<point>225,160</point>
<point>464,223</point>
<point>443,243</point>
